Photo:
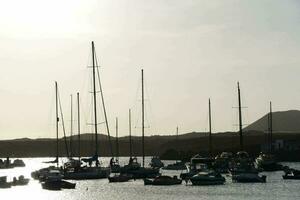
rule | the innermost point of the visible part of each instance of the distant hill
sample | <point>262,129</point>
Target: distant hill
<point>283,121</point>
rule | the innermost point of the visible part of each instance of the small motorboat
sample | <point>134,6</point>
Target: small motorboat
<point>20,181</point>
<point>4,183</point>
<point>175,166</point>
<point>156,162</point>
<point>192,169</point>
<point>267,162</point>
<point>163,180</point>
<point>114,166</point>
<point>54,182</point>
<point>291,174</point>
<point>119,178</point>
<point>42,172</point>
<point>208,178</point>
<point>18,163</point>
<point>249,178</point>
<point>222,162</point>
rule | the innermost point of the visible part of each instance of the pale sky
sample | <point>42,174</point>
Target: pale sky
<point>190,50</point>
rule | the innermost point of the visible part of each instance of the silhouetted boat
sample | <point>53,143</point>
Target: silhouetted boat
<point>207,178</point>
<point>92,170</point>
<point>53,181</point>
<point>20,181</point>
<point>156,162</point>
<point>178,165</point>
<point>248,177</point>
<point>267,161</point>
<point>114,162</point>
<point>242,169</point>
<point>197,164</point>
<point>119,178</point>
<point>291,174</point>
<point>57,185</point>
<point>222,162</point>
<point>42,174</point>
<point>134,168</point>
<point>7,164</point>
<point>163,180</point>
<point>4,183</point>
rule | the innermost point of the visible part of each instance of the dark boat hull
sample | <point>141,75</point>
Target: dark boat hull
<point>155,182</point>
<point>119,178</point>
<point>216,182</point>
<point>246,179</point>
<point>58,185</point>
<point>141,173</point>
<point>87,174</point>
<point>291,177</point>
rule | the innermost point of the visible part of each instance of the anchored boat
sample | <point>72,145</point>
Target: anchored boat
<point>163,180</point>
<point>208,178</point>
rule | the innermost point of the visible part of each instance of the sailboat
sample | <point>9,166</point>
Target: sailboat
<point>72,162</point>
<point>92,169</point>
<point>178,165</point>
<point>44,171</point>
<point>133,163</point>
<point>138,171</point>
<point>120,172</point>
<point>243,169</point>
<point>200,171</point>
<point>267,161</point>
<point>114,162</point>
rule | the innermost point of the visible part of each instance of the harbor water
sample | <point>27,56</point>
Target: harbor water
<point>275,188</point>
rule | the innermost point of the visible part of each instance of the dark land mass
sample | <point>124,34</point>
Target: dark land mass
<point>283,121</point>
<point>286,136</point>
<point>165,146</point>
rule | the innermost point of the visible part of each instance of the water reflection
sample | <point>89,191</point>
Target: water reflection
<point>275,188</point>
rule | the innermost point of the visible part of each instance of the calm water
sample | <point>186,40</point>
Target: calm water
<point>275,188</point>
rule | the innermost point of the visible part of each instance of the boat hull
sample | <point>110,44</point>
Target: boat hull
<point>159,182</point>
<point>119,178</point>
<point>246,178</point>
<point>93,173</point>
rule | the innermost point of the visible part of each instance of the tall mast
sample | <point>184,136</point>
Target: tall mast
<point>177,142</point>
<point>210,142</point>
<point>240,118</point>
<point>78,119</point>
<point>143,123</point>
<point>270,128</point>
<point>57,120</point>
<point>130,142</point>
<point>95,102</point>
<point>117,140</point>
<point>104,111</point>
<point>71,138</point>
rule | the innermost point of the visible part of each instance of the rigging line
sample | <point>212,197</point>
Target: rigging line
<point>149,107</point>
<point>136,108</point>
<point>103,105</point>
<point>63,124</point>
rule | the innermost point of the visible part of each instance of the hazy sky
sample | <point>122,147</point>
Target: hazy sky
<point>190,50</point>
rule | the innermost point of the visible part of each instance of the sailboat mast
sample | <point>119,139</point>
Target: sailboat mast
<point>95,102</point>
<point>57,120</point>
<point>210,142</point>
<point>271,128</point>
<point>177,143</point>
<point>117,140</point>
<point>240,118</point>
<point>130,142</point>
<point>78,118</point>
<point>143,122</point>
<point>71,138</point>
